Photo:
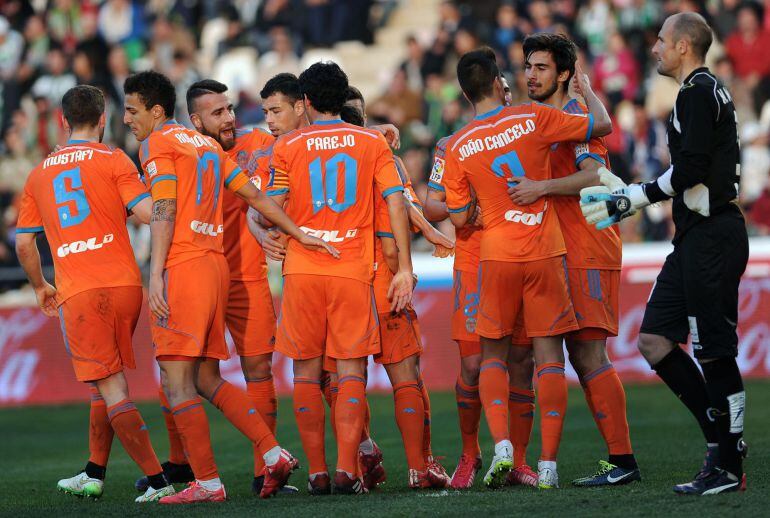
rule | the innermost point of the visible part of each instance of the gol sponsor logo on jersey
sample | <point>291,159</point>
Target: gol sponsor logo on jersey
<point>206,229</point>
<point>330,236</point>
<point>77,247</point>
<point>525,218</point>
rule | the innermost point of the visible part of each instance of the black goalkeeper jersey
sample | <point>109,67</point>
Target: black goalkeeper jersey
<point>705,154</point>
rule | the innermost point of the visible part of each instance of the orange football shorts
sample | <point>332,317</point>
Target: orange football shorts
<point>250,317</point>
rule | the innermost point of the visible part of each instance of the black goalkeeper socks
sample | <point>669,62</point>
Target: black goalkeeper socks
<point>679,371</point>
<point>728,400</point>
<point>95,470</point>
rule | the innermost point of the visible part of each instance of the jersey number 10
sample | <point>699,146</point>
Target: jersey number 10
<point>324,188</point>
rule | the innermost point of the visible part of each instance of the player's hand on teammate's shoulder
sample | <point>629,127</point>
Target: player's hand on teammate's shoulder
<point>314,243</point>
<point>391,134</point>
<point>155,298</point>
<point>46,299</point>
<point>400,291</point>
<point>526,191</point>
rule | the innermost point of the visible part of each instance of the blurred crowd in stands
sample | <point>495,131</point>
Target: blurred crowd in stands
<point>48,46</point>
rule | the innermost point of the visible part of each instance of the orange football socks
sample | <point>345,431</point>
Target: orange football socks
<point>469,414</point>
<point>175,448</point>
<point>132,432</point>
<point>261,393</point>
<point>607,401</point>
<point>350,413</point>
<point>193,426</point>
<point>552,399</point>
<point>237,408</point>
<point>100,433</point>
<point>521,411</point>
<point>410,417</point>
<point>493,390</point>
<point>311,421</point>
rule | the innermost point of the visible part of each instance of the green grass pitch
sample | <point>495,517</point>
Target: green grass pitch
<point>39,445</point>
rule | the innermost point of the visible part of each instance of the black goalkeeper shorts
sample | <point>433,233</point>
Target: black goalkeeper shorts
<point>696,292</point>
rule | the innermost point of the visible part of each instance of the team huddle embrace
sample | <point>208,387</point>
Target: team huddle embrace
<point>537,264</point>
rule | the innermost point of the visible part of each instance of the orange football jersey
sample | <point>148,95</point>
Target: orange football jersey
<point>244,254</point>
<point>79,196</point>
<point>493,150</point>
<point>329,170</point>
<point>383,228</point>
<point>586,246</point>
<point>467,239</point>
<point>183,164</point>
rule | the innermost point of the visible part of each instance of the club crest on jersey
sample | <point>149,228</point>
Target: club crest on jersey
<point>257,181</point>
<point>437,173</point>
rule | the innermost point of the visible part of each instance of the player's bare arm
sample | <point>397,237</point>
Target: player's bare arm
<point>142,211</point>
<point>391,134</point>
<point>270,240</point>
<point>602,121</point>
<point>400,292</point>
<point>272,212</point>
<point>29,258</point>
<point>444,247</point>
<point>162,222</point>
<point>434,207</point>
<point>529,191</point>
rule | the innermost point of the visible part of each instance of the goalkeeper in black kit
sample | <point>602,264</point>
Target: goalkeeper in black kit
<point>696,292</point>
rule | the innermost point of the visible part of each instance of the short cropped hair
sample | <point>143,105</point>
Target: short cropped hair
<point>284,83</point>
<point>201,88</point>
<point>152,88</point>
<point>325,85</point>
<point>476,73</point>
<point>695,28</point>
<point>352,115</point>
<point>82,106</point>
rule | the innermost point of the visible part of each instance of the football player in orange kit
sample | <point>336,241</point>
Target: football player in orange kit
<point>326,173</point>
<point>521,397</point>
<point>399,332</point>
<point>80,196</point>
<point>522,268</point>
<point>189,281</point>
<point>593,256</point>
<point>250,316</point>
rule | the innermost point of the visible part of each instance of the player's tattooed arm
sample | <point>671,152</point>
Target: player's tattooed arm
<point>402,285</point>
<point>29,258</point>
<point>163,210</point>
<point>161,234</point>
<point>582,85</point>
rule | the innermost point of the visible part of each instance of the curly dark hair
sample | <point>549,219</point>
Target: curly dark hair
<point>562,50</point>
<point>476,73</point>
<point>152,88</point>
<point>284,83</point>
<point>82,106</point>
<point>326,86</point>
